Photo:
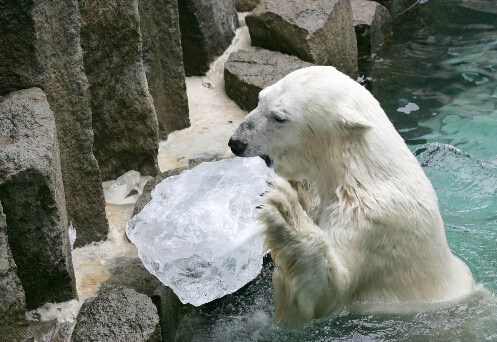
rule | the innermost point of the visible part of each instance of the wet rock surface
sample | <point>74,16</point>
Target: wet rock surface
<point>119,315</point>
<point>207,28</point>
<point>318,31</point>
<point>396,7</point>
<point>246,73</point>
<point>372,26</point>
<point>163,60</point>
<point>130,271</point>
<point>124,119</point>
<point>13,323</point>
<point>32,194</point>
<point>246,5</point>
<point>44,51</point>
<point>171,312</point>
<point>50,331</point>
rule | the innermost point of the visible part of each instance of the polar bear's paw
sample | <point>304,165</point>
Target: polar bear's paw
<point>282,204</point>
<point>297,247</point>
<point>282,215</point>
<point>279,215</point>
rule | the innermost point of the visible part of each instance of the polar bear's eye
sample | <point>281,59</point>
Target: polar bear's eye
<point>279,119</point>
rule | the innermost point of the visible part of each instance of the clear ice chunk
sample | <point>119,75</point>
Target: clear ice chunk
<point>199,234</point>
<point>126,189</point>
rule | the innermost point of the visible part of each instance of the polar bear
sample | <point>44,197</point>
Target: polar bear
<point>378,238</point>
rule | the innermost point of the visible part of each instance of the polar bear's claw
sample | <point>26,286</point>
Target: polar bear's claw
<point>279,215</point>
<point>283,201</point>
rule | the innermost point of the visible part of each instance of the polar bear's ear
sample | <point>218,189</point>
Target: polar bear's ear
<point>356,125</point>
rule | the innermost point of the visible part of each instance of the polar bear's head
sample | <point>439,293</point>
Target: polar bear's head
<point>301,117</point>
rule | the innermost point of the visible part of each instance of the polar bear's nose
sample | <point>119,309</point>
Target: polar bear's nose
<point>237,146</point>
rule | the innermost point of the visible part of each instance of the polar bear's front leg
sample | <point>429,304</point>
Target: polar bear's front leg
<point>309,280</point>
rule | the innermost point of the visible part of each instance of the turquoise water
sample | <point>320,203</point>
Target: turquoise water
<point>446,66</point>
<point>467,193</point>
<point>437,81</point>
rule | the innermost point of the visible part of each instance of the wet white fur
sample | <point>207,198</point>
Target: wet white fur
<point>379,237</point>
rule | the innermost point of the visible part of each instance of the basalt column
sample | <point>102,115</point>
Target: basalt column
<point>32,196</point>
<point>163,60</point>
<point>41,48</point>
<point>124,119</point>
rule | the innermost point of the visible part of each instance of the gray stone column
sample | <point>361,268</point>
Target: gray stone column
<point>163,59</point>
<point>246,73</point>
<point>41,48</point>
<point>372,26</point>
<point>32,195</point>
<point>13,323</point>
<point>124,119</point>
<point>207,28</point>
<point>319,32</point>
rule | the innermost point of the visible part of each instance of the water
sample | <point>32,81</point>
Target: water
<point>437,81</point>
<point>467,192</point>
<point>446,66</point>
<point>213,115</point>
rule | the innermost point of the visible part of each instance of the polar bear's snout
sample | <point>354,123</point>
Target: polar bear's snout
<point>249,140</point>
<point>237,146</point>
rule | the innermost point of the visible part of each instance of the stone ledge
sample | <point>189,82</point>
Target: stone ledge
<point>319,32</point>
<point>246,73</point>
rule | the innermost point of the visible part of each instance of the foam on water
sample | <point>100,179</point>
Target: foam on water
<point>214,117</point>
<point>91,267</point>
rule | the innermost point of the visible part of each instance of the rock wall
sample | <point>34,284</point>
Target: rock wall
<point>207,28</point>
<point>246,5</point>
<point>44,51</point>
<point>319,32</point>
<point>341,33</point>
<point>124,119</point>
<point>13,323</point>
<point>33,200</point>
<point>246,73</point>
<point>372,26</point>
<point>118,315</point>
<point>163,60</point>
